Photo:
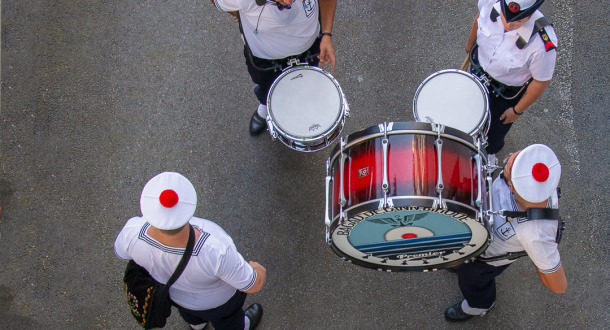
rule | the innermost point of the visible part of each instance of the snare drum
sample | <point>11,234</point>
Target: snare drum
<point>406,196</point>
<point>453,98</point>
<point>307,108</point>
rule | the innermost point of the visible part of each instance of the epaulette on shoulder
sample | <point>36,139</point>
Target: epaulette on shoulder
<point>539,27</point>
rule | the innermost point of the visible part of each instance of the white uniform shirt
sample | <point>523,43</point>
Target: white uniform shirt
<point>272,33</point>
<point>502,59</point>
<point>211,276</point>
<point>536,237</point>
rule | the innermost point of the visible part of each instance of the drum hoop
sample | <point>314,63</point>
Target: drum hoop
<point>480,126</point>
<point>340,118</point>
<point>423,268</point>
<point>373,204</point>
<point>401,132</point>
<point>388,268</point>
<point>315,145</point>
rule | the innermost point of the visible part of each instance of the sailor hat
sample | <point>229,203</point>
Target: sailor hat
<point>168,201</point>
<point>535,173</point>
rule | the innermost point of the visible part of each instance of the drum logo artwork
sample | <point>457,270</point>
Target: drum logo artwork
<point>409,236</point>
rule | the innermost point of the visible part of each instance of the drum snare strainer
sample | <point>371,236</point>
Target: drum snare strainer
<point>307,108</point>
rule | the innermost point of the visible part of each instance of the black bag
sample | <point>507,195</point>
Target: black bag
<point>148,299</point>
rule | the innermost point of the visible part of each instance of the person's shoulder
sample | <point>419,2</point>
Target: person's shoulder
<point>134,223</point>
<point>482,4</point>
<point>543,28</point>
<point>231,5</point>
<point>210,228</point>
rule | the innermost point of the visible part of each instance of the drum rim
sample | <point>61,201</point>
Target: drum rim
<point>373,206</point>
<point>312,146</point>
<point>369,133</point>
<point>340,117</point>
<point>486,115</point>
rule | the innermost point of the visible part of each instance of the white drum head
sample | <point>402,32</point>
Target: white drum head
<point>452,98</point>
<point>305,102</point>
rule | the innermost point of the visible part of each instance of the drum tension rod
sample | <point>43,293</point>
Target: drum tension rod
<point>438,144</point>
<point>385,184</point>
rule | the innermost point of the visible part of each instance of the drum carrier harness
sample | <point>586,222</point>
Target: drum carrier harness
<point>527,215</point>
<point>497,88</point>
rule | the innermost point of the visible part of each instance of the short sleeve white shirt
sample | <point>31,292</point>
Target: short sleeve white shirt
<point>272,33</point>
<point>213,273</point>
<point>536,237</point>
<point>502,59</point>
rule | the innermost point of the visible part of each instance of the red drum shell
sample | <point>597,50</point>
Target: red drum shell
<point>412,167</point>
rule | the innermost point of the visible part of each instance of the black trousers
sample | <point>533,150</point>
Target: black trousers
<point>228,316</point>
<point>477,281</point>
<point>497,106</point>
<point>264,72</point>
<point>497,130</point>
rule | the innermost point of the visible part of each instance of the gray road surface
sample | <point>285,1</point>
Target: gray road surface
<point>98,97</point>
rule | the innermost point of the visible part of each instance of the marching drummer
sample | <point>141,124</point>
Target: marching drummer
<point>527,188</point>
<point>274,33</point>
<point>512,47</point>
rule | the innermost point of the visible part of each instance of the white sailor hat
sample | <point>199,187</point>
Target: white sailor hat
<point>168,201</point>
<point>535,173</point>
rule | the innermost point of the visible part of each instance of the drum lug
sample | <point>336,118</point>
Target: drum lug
<point>347,113</point>
<point>327,207</point>
<point>438,144</point>
<point>479,200</point>
<point>439,203</point>
<point>271,129</point>
<point>342,199</point>
<point>385,186</point>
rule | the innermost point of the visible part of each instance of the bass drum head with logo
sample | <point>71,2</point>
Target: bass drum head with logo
<point>411,238</point>
<point>304,104</point>
<point>453,98</point>
<point>383,208</point>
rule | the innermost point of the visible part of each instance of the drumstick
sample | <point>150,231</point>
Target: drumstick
<point>234,14</point>
<point>465,63</point>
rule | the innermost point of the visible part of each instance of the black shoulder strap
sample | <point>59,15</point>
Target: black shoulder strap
<point>540,24</point>
<point>185,259</point>
<point>494,15</point>
<point>533,214</point>
<point>539,27</point>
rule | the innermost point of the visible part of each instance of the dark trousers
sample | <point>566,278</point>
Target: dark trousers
<point>264,72</point>
<point>477,282</point>
<point>228,316</point>
<point>497,130</point>
<point>497,106</point>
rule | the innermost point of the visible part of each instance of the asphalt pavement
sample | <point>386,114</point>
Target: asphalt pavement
<point>98,97</point>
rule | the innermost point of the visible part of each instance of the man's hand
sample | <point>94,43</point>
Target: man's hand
<point>509,116</point>
<point>327,53</point>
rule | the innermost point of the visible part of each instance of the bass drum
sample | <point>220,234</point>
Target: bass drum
<point>407,196</point>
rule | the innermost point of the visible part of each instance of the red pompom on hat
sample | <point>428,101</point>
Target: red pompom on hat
<point>168,198</point>
<point>535,173</point>
<point>168,201</point>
